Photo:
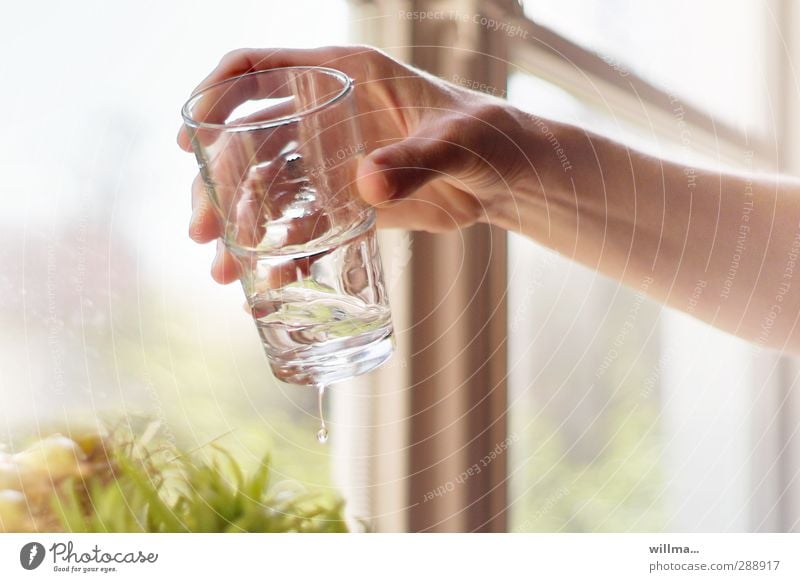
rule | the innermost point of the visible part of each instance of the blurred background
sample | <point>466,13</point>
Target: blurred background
<point>107,306</point>
<point>584,406</point>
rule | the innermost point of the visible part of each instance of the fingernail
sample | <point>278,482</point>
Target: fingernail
<point>217,255</point>
<point>194,225</point>
<point>386,187</point>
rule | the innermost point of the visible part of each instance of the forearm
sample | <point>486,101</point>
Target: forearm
<point>722,247</point>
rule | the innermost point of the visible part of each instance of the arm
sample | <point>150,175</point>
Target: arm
<point>438,156</point>
<point>721,246</point>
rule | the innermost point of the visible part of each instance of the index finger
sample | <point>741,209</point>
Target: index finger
<point>249,60</point>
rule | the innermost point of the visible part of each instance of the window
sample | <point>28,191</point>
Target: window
<point>721,70</point>
<point>618,406</point>
<point>611,413</point>
<point>623,415</point>
<point>106,304</point>
<point>640,418</point>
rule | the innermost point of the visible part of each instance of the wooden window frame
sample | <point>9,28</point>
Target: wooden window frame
<point>440,413</point>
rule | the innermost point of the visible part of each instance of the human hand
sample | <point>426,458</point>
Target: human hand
<point>438,156</point>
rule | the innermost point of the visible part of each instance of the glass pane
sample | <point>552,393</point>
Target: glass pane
<point>709,52</point>
<point>107,306</point>
<point>620,409</point>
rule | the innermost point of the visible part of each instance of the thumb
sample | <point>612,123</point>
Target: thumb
<point>397,170</point>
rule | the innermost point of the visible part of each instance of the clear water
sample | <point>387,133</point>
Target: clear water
<point>322,314</point>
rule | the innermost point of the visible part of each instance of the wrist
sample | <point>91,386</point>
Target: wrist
<point>549,154</point>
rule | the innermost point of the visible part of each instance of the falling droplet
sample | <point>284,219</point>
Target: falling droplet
<point>322,433</point>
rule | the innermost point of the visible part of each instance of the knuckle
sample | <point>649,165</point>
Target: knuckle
<point>233,56</point>
<point>365,51</point>
<point>244,59</point>
<point>491,113</point>
<point>374,60</point>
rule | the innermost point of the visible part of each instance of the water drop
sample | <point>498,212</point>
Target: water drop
<point>322,433</point>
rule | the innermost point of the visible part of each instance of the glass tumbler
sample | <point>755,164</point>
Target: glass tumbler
<point>278,152</point>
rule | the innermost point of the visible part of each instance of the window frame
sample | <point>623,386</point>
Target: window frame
<point>599,83</point>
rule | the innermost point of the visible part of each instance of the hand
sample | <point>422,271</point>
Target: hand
<point>438,156</point>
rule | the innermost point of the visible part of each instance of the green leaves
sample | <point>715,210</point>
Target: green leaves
<point>128,483</point>
<point>123,483</point>
<point>158,489</point>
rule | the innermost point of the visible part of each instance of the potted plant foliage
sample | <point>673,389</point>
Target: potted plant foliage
<point>98,482</point>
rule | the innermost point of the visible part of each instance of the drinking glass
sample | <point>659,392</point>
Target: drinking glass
<point>278,152</point>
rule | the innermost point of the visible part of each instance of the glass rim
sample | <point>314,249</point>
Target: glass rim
<point>347,87</point>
